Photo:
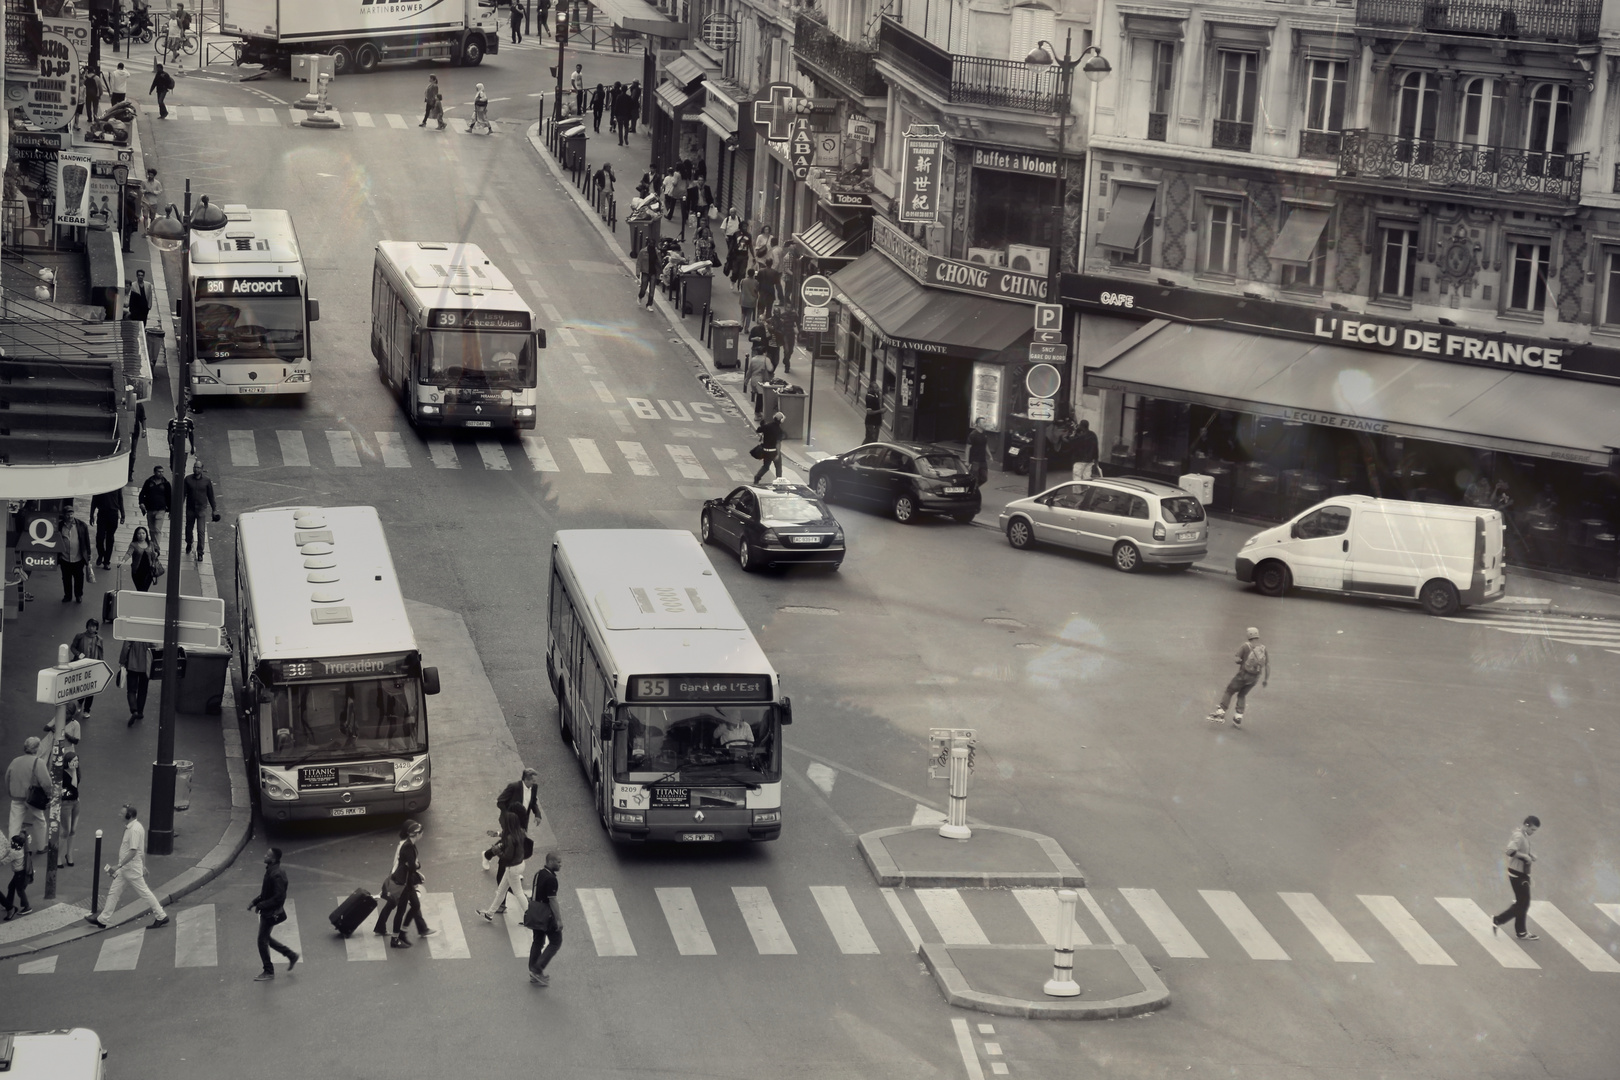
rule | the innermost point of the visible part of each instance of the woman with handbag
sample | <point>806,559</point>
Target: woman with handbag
<point>509,875</point>
<point>399,889</point>
<point>142,559</point>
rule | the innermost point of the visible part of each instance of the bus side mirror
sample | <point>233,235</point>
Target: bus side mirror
<point>786,710</point>
<point>430,680</point>
<point>541,335</point>
<point>607,729</point>
<point>314,309</point>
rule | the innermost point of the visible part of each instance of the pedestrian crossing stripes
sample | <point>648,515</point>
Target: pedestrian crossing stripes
<point>1564,629</point>
<point>290,117</point>
<point>784,924</point>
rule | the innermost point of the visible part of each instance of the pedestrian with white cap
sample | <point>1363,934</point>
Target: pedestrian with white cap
<point>1254,667</point>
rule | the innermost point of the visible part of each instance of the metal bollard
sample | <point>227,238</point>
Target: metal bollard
<point>95,878</point>
<point>956,826</point>
<point>1062,983</point>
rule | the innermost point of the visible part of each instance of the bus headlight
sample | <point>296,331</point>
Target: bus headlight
<point>430,410</point>
<point>767,817</point>
<point>275,786</point>
<point>412,778</point>
<point>199,378</point>
<point>523,410</point>
<point>298,376</point>
<point>629,817</point>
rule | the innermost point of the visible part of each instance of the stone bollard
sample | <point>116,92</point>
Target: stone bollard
<point>1062,983</point>
<point>956,826</point>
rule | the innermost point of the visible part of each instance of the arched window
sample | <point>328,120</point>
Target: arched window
<point>1419,105</point>
<point>1548,130</point>
<point>1480,122</point>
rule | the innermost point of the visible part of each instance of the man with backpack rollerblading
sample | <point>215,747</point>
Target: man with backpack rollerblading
<point>1254,667</point>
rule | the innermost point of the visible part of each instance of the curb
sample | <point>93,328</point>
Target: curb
<point>1063,875</point>
<point>1154,994</point>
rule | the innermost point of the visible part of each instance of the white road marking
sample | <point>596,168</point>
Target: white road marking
<point>199,113</point>
<point>685,922</point>
<point>233,115</point>
<point>269,116</point>
<point>964,1046</point>
<point>296,116</point>
<point>539,456</point>
<point>922,815</point>
<point>724,453</point>
<point>606,923</point>
<point>1045,910</point>
<point>903,917</point>
<point>44,966</point>
<point>196,939</point>
<point>636,455</point>
<point>1102,919</point>
<point>244,453</point>
<point>622,421</point>
<point>522,268</point>
<point>294,452</point>
<point>520,937</point>
<point>564,334</point>
<point>392,448</point>
<point>121,953</point>
<point>395,120</point>
<point>1611,910</point>
<point>509,245</point>
<point>1472,918</point>
<point>363,119</point>
<point>443,454</point>
<point>155,444</point>
<point>843,920</point>
<point>363,945</point>
<point>1254,937</point>
<point>450,943</point>
<point>1153,911</point>
<point>590,458</point>
<point>951,917</point>
<point>1406,930</point>
<point>823,776</point>
<point>287,933</point>
<point>686,462</point>
<point>764,923</point>
<point>744,474</point>
<point>1327,930</point>
<point>603,394</point>
<point>1563,930</point>
<point>556,317</point>
<point>494,455</point>
<point>675,411</point>
<point>344,453</point>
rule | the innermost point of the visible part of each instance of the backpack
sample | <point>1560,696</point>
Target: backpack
<point>1255,662</point>
<point>166,82</point>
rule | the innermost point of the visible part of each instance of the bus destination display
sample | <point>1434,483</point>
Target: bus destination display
<point>659,688</point>
<point>446,319</point>
<point>242,286</point>
<point>340,667</point>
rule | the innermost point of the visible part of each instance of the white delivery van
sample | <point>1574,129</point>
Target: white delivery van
<point>1444,557</point>
<point>63,1054</point>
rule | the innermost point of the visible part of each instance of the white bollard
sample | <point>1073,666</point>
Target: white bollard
<point>1062,983</point>
<point>956,826</point>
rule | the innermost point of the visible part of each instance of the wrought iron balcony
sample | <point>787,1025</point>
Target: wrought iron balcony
<point>1574,22</point>
<point>1233,135</point>
<point>1319,145</point>
<point>1431,163</point>
<point>853,65</point>
<point>1158,126</point>
<point>971,80</point>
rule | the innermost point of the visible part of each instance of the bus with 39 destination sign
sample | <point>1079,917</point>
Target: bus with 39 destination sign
<point>452,337</point>
<point>247,308</point>
<point>333,718</point>
<point>668,702</point>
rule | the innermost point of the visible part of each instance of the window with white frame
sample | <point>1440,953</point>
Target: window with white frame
<point>1548,127</point>
<point>1031,24</point>
<point>1529,265</point>
<point>1325,82</point>
<point>1609,289</point>
<point>1397,260</point>
<point>1479,120</point>
<point>1222,225</point>
<point>1308,276</point>
<point>1164,75</point>
<point>1240,79</point>
<point>1418,105</point>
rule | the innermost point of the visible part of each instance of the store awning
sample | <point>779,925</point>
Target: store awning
<point>677,102</point>
<point>1360,390</point>
<point>970,326</point>
<point>641,17</point>
<point>820,241</point>
<point>1126,215</point>
<point>684,70</point>
<point>1299,236</point>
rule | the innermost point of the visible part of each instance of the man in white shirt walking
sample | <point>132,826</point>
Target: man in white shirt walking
<point>131,871</point>
<point>118,84</point>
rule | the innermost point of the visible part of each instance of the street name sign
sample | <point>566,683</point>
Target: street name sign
<point>1048,354</point>
<point>817,290</point>
<point>81,678</point>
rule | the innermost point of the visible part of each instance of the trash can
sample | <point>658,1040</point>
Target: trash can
<point>202,684</point>
<point>573,140</point>
<point>790,401</point>
<point>696,289</point>
<point>183,772</point>
<point>726,342</point>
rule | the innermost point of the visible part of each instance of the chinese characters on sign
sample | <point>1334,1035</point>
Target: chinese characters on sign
<point>920,179</point>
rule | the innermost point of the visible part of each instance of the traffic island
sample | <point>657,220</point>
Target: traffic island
<point>1115,980</point>
<point>917,857</point>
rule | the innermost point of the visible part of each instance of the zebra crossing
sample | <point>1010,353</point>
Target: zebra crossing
<point>347,449</point>
<point>1564,629</point>
<point>285,116</point>
<point>758,921</point>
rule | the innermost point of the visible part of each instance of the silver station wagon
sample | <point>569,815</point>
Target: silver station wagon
<point>1133,521</point>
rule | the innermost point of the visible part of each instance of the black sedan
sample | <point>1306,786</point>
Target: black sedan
<point>774,525</point>
<point>903,479</point>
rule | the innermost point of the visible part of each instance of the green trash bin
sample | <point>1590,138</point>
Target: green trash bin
<point>790,401</point>
<point>202,685</point>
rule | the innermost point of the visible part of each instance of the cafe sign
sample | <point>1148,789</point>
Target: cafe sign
<point>943,273</point>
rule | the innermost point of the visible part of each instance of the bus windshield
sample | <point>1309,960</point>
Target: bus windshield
<point>250,328</point>
<point>479,358</point>
<point>334,721</point>
<point>692,742</point>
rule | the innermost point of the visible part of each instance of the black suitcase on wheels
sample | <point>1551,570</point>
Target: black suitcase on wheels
<point>353,911</point>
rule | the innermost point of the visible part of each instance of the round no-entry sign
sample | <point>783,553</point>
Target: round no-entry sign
<point>1043,380</point>
<point>816,290</point>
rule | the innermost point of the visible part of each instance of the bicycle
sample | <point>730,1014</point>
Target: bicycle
<point>170,47</point>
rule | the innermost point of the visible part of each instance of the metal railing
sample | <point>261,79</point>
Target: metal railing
<point>1233,135</point>
<point>853,65</point>
<point>1320,145</point>
<point>971,80</point>
<point>1431,163</point>
<point>580,173</point>
<point>1570,21</point>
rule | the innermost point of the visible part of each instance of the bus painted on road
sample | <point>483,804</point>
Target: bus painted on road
<point>669,703</point>
<point>247,308</point>
<point>334,721</point>
<point>452,337</point>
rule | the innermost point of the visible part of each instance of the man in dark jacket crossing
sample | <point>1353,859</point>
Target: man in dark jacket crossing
<point>269,904</point>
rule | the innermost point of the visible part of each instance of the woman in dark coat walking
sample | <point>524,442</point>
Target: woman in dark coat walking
<point>141,558</point>
<point>407,879</point>
<point>598,103</point>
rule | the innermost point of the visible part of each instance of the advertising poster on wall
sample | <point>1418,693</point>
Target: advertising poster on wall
<point>987,394</point>
<point>103,202</point>
<point>53,93</point>
<point>72,189</point>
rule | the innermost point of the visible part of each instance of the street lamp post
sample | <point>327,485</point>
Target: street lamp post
<point>172,233</point>
<point>1096,68</point>
<point>562,43</point>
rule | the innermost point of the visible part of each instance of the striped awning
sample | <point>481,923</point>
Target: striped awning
<point>820,241</point>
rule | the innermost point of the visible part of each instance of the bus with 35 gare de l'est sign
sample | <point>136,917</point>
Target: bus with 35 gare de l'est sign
<point>452,337</point>
<point>669,703</point>
<point>333,718</point>
<point>247,308</point>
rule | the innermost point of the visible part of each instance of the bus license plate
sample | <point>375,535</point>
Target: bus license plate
<point>348,811</point>
<point>250,389</point>
<point>697,836</point>
<point>478,423</point>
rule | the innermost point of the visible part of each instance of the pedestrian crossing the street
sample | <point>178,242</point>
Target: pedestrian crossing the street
<point>346,449</point>
<point>631,924</point>
<point>290,117</point>
<point>1564,629</point>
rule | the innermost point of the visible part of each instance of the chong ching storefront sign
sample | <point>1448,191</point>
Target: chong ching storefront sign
<point>943,273</point>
